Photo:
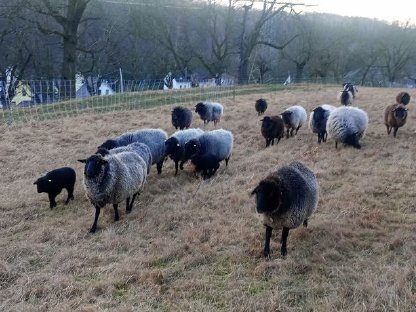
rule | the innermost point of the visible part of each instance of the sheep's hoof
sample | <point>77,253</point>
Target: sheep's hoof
<point>283,252</point>
<point>93,229</point>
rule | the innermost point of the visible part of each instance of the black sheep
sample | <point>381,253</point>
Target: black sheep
<point>56,180</point>
<point>181,117</point>
<point>261,106</point>
<point>207,163</point>
<point>272,127</point>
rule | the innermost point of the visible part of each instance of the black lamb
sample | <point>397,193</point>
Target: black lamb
<point>181,117</point>
<point>56,180</point>
<point>207,163</point>
<point>261,106</point>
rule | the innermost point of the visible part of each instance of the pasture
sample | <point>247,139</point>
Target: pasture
<point>196,245</point>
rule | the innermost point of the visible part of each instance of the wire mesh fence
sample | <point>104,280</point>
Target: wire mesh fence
<point>34,101</point>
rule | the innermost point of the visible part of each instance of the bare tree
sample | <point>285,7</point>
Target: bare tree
<point>250,38</point>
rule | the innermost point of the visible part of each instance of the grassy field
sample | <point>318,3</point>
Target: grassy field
<point>194,245</point>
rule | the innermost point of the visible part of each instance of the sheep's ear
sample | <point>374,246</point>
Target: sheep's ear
<point>82,160</point>
<point>36,182</point>
<point>254,191</point>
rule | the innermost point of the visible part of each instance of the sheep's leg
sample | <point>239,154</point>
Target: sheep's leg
<point>116,216</point>
<point>305,223</point>
<point>176,167</point>
<point>267,142</point>
<point>181,164</point>
<point>70,194</point>
<point>226,161</point>
<point>272,141</point>
<point>319,138</point>
<point>388,129</point>
<point>159,166</point>
<point>287,133</point>
<point>291,131</point>
<point>129,207</point>
<point>94,225</point>
<point>336,144</point>
<point>268,235</point>
<point>52,202</point>
<point>297,129</point>
<point>395,131</point>
<point>285,234</point>
<point>325,136</point>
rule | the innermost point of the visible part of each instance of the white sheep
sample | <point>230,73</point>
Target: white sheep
<point>294,117</point>
<point>347,124</point>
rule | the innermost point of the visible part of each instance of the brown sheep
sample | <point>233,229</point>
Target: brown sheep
<point>272,127</point>
<point>403,98</point>
<point>395,116</point>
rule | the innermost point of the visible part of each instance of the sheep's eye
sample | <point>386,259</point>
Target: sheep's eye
<point>177,144</point>
<point>49,180</point>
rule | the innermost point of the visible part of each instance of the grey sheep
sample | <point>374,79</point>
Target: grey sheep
<point>345,97</point>
<point>294,117</point>
<point>112,179</point>
<point>153,138</point>
<point>260,106</point>
<point>175,145</point>
<point>217,142</point>
<point>286,198</point>
<point>317,121</point>
<point>395,116</point>
<point>403,98</point>
<point>140,148</point>
<point>347,125</point>
<point>181,117</point>
<point>56,180</point>
<point>272,127</point>
<point>209,111</point>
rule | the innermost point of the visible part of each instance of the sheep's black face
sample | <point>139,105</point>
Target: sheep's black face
<point>93,166</point>
<point>200,108</point>
<point>191,148</point>
<point>352,140</point>
<point>400,113</point>
<point>268,195</point>
<point>42,185</point>
<point>171,145</point>
<point>286,116</point>
<point>109,144</point>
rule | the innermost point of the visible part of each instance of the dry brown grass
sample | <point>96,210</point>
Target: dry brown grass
<point>192,245</point>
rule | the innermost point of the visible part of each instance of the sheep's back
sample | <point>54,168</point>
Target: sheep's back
<point>300,193</point>
<point>218,142</point>
<point>184,136</point>
<point>345,121</point>
<point>298,117</point>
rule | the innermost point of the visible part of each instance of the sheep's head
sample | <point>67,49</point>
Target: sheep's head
<point>268,195</point>
<point>400,113</point>
<point>171,146</point>
<point>200,108</point>
<point>93,165</point>
<point>286,116</point>
<point>43,184</point>
<point>109,144</point>
<point>353,139</point>
<point>192,147</point>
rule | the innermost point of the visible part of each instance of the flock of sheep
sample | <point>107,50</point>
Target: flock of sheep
<point>118,170</point>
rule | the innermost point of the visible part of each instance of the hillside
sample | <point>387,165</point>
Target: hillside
<point>194,245</point>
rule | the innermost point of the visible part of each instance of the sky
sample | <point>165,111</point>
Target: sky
<point>397,10</point>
